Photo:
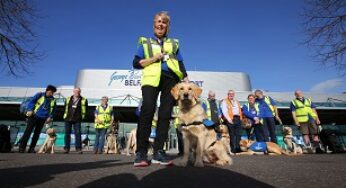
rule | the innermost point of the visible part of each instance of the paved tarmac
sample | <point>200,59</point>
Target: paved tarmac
<point>89,170</point>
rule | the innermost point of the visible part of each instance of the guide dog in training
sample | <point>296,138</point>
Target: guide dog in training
<point>250,147</point>
<point>49,143</point>
<point>196,137</point>
<point>112,146</point>
<point>291,145</point>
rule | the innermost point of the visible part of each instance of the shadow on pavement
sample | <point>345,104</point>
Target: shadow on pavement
<point>35,175</point>
<point>181,177</point>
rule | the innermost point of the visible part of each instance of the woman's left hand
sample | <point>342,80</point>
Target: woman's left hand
<point>186,79</point>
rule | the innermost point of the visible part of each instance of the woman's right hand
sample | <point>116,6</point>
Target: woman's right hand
<point>158,57</point>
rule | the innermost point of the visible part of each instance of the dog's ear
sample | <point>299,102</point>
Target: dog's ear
<point>196,91</point>
<point>175,92</point>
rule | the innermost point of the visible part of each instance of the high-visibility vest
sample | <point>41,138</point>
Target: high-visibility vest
<point>256,106</point>
<point>303,110</point>
<point>41,101</point>
<point>105,116</point>
<point>208,110</point>
<point>176,111</point>
<point>151,74</point>
<point>83,107</point>
<point>230,109</point>
<point>271,107</point>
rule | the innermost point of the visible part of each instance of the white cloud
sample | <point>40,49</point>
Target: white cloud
<point>329,86</point>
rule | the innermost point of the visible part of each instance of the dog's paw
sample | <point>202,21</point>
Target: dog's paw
<point>199,164</point>
<point>181,163</point>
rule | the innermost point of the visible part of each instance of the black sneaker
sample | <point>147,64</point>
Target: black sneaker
<point>161,158</point>
<point>141,160</point>
<point>31,150</point>
<point>319,150</point>
<point>21,150</point>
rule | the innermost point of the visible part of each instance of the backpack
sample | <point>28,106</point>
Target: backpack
<point>23,108</point>
<point>5,139</point>
<point>329,138</point>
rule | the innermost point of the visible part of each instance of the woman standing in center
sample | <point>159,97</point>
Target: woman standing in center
<point>162,67</point>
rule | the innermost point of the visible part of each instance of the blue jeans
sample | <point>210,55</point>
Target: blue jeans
<point>100,139</point>
<point>269,129</point>
<point>77,134</point>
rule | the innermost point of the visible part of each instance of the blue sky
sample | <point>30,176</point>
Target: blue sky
<point>261,38</point>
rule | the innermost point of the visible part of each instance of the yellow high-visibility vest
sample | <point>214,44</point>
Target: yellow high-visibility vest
<point>41,101</point>
<point>83,107</point>
<point>151,74</point>
<point>176,111</point>
<point>303,110</point>
<point>208,110</point>
<point>105,116</point>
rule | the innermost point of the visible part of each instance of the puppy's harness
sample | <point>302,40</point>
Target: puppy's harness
<point>198,123</point>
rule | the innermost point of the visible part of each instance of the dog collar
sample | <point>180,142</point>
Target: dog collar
<point>193,123</point>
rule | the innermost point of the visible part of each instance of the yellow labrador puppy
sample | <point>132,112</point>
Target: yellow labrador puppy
<point>48,145</point>
<point>225,138</point>
<point>196,136</point>
<point>250,147</point>
<point>288,140</point>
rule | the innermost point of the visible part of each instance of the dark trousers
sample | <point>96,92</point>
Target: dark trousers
<point>234,130</point>
<point>100,139</point>
<point>259,132</point>
<point>149,96</point>
<point>180,141</point>
<point>77,133</point>
<point>32,122</point>
<point>269,129</point>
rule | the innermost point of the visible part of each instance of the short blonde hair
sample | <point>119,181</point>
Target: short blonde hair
<point>166,17</point>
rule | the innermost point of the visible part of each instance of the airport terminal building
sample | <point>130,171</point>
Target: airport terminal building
<point>123,88</point>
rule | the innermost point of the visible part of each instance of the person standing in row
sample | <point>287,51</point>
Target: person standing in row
<point>306,118</point>
<point>162,67</point>
<point>251,112</point>
<point>268,112</point>
<point>41,109</point>
<point>75,111</point>
<point>104,118</point>
<point>232,114</point>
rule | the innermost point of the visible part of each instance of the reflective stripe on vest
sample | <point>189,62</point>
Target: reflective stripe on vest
<point>41,101</point>
<point>151,74</point>
<point>208,110</point>
<point>230,109</point>
<point>303,110</point>
<point>256,108</point>
<point>103,115</point>
<point>83,107</point>
<point>271,107</point>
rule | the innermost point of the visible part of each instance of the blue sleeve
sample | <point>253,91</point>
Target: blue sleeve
<point>140,52</point>
<point>313,105</point>
<point>179,56</point>
<point>247,113</point>
<point>33,101</point>
<point>292,107</point>
<point>272,101</point>
<point>219,111</point>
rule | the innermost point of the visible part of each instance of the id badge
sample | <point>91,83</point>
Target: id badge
<point>165,57</point>
<point>74,106</point>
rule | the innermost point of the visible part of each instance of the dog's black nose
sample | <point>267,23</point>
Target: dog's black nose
<point>186,95</point>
